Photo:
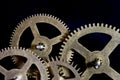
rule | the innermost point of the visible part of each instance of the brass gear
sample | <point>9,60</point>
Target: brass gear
<point>21,73</point>
<point>41,45</point>
<point>58,67</point>
<point>101,58</point>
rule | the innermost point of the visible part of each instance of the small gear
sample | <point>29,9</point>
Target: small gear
<point>98,59</point>
<point>21,73</point>
<point>41,45</point>
<point>58,68</point>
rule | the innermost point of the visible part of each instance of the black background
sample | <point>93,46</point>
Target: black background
<point>73,12</point>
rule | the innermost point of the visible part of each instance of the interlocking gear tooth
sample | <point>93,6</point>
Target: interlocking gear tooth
<point>24,24</point>
<point>62,71</point>
<point>40,64</point>
<point>111,45</point>
<point>70,56</point>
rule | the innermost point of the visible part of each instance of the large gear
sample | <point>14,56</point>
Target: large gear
<point>21,73</point>
<point>58,67</point>
<point>99,59</point>
<point>41,45</point>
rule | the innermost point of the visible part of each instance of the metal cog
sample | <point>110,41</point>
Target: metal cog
<point>58,70</point>
<point>41,45</point>
<point>100,58</point>
<point>21,73</point>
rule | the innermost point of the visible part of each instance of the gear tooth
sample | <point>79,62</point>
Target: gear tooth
<point>118,30</point>
<point>78,29</point>
<point>61,49</point>
<point>89,25</point>
<point>74,32</point>
<point>52,59</point>
<point>62,46</point>
<point>98,25</point>
<point>56,58</point>
<point>86,26</point>
<point>2,50</point>
<point>8,48</point>
<point>102,24</point>
<point>71,34</point>
<point>64,43</point>
<point>114,28</point>
<point>82,27</point>
<point>37,14</point>
<point>106,25</point>
<point>93,24</point>
<point>67,28</point>
<point>72,63</point>
<point>70,56</point>
<point>56,18</point>
<point>110,26</point>
<point>78,69</point>
<point>11,47</point>
<point>43,14</point>
<point>21,48</point>
<point>50,15</point>
<point>66,39</point>
<point>27,50</point>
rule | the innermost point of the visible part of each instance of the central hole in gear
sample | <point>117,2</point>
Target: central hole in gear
<point>40,46</point>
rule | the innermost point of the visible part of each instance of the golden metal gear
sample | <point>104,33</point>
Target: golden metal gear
<point>21,73</point>
<point>100,58</point>
<point>41,45</point>
<point>58,67</point>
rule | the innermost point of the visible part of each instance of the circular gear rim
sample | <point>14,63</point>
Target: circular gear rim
<point>71,42</point>
<point>29,21</point>
<point>10,51</point>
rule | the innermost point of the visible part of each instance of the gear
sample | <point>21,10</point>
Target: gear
<point>99,59</point>
<point>41,45</point>
<point>58,70</point>
<point>21,73</point>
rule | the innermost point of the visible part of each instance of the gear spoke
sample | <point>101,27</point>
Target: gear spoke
<point>112,73</point>
<point>86,75</point>
<point>35,31</point>
<point>3,70</point>
<point>80,49</point>
<point>55,40</point>
<point>27,65</point>
<point>110,47</point>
